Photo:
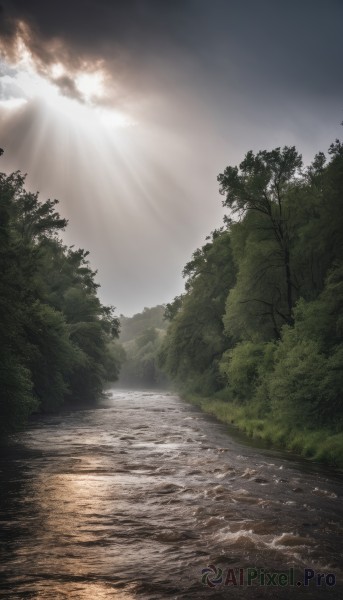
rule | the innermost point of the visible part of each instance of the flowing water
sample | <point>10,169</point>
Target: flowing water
<point>134,498</point>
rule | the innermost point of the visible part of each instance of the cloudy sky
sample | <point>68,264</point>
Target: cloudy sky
<point>127,110</point>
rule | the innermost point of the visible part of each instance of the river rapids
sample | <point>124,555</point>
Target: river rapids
<point>146,497</point>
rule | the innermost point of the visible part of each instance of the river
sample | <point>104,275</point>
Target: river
<point>146,497</point>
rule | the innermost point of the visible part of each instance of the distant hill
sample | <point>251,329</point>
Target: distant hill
<point>140,338</point>
<point>133,327</point>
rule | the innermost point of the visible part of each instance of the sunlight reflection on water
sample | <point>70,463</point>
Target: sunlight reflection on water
<point>133,499</point>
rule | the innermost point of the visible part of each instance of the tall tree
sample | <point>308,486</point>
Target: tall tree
<point>195,339</point>
<point>261,184</point>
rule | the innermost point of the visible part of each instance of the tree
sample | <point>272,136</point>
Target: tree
<point>256,307</point>
<point>195,340</point>
<point>54,332</point>
<point>274,280</point>
<point>305,383</point>
<point>261,184</point>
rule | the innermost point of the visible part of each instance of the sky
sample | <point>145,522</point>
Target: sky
<point>126,111</point>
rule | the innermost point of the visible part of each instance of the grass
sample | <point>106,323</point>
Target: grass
<point>320,445</point>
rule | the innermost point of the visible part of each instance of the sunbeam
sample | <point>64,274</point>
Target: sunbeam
<point>128,111</point>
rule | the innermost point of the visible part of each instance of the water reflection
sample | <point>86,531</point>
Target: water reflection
<point>133,499</point>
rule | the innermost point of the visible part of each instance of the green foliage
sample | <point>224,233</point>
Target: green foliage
<point>195,339</point>
<point>307,381</point>
<point>132,327</point>
<point>260,182</point>
<point>261,185</point>
<point>241,368</point>
<point>260,325</point>
<point>54,332</point>
<point>141,337</point>
<point>256,307</point>
<point>140,367</point>
<point>51,355</point>
<point>16,399</point>
<point>319,445</point>
<point>149,336</point>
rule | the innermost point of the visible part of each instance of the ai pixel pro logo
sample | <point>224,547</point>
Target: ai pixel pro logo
<point>213,576</point>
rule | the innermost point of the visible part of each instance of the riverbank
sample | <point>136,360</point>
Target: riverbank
<point>319,445</point>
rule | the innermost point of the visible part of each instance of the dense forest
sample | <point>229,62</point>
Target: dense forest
<point>55,335</point>
<point>140,339</point>
<point>257,336</point>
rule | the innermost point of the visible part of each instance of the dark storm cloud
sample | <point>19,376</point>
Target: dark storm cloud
<point>131,38</point>
<point>293,44</point>
<point>205,80</point>
<point>120,30</point>
<point>92,22</point>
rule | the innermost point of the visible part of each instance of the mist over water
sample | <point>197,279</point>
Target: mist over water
<point>134,498</point>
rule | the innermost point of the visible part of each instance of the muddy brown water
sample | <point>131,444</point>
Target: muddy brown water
<point>146,497</point>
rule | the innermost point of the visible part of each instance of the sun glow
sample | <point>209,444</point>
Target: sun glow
<point>91,85</point>
<point>57,70</point>
<point>79,95</point>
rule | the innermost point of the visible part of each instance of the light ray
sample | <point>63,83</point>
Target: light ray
<point>12,103</point>
<point>113,175</point>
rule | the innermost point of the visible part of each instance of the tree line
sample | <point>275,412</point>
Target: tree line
<point>140,339</point>
<point>55,335</point>
<point>260,323</point>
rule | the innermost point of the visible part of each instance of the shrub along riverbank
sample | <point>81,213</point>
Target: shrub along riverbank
<point>320,445</point>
